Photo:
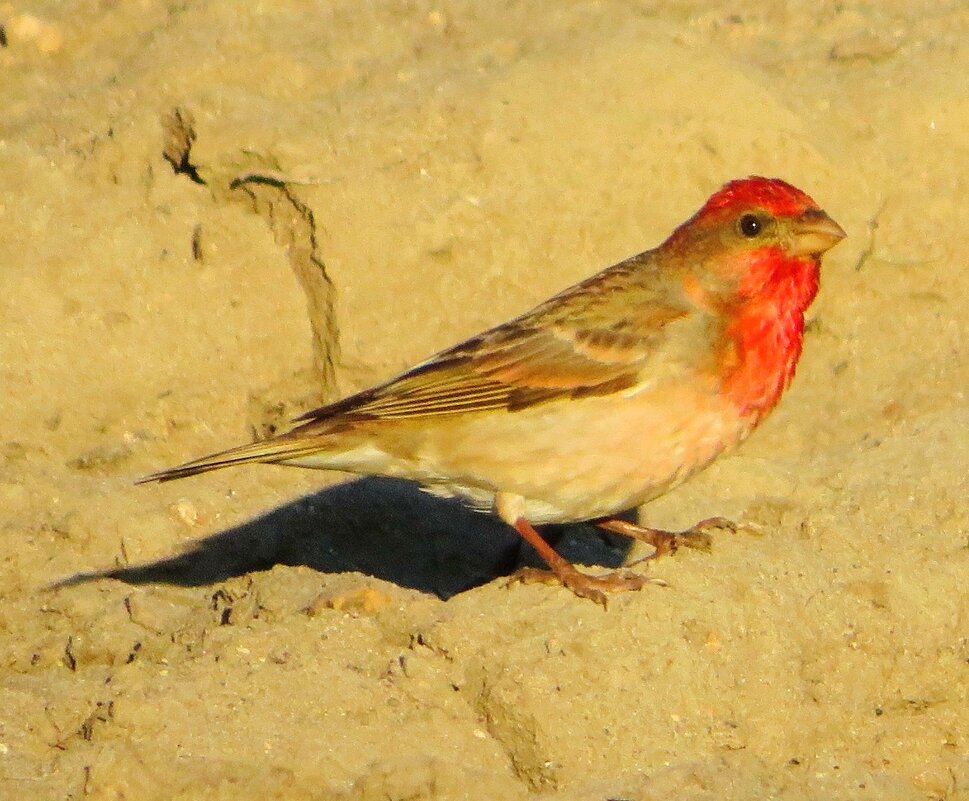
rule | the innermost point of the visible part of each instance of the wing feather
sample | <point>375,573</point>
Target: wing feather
<point>585,341</point>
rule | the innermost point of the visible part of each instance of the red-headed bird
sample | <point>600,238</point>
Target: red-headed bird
<point>603,397</point>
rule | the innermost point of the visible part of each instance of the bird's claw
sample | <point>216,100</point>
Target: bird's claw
<point>595,588</point>
<point>698,537</point>
<point>713,524</point>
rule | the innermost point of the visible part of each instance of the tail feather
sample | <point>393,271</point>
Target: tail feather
<point>268,451</point>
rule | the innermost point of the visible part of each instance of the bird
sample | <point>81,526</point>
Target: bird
<point>603,397</point>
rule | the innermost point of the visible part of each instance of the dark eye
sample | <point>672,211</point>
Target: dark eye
<point>750,226</point>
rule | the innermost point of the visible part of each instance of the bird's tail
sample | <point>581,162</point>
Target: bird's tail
<point>278,449</point>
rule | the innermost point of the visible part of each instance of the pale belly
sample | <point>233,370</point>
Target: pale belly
<point>595,465</point>
<point>569,461</point>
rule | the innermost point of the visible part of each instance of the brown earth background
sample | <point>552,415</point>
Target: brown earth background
<point>279,634</point>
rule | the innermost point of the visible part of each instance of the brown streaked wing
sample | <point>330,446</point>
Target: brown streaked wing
<point>543,355</point>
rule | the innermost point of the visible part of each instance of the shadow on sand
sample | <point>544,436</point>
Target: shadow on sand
<point>386,528</point>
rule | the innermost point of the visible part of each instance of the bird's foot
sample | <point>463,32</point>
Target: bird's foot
<point>595,588</point>
<point>697,537</point>
<point>563,572</point>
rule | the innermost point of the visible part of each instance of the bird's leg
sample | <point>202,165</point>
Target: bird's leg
<point>563,572</point>
<point>511,509</point>
<point>666,542</point>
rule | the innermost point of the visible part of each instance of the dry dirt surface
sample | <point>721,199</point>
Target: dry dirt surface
<point>216,214</point>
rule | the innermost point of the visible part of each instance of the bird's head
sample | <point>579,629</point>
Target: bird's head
<point>753,234</point>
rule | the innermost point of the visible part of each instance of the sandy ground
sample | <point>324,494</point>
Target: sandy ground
<point>279,634</point>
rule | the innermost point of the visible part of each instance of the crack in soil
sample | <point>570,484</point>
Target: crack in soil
<point>293,227</point>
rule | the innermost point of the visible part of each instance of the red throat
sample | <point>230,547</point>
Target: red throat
<point>767,331</point>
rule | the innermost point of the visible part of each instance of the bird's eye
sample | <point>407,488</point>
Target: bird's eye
<point>750,226</point>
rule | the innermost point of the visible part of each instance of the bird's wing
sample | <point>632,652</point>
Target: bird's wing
<point>593,339</point>
<point>612,332</point>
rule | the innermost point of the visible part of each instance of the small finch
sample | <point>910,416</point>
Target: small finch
<point>603,397</point>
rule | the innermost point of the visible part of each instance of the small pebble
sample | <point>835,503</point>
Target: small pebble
<point>186,511</point>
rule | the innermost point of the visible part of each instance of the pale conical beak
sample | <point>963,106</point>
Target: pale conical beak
<point>813,233</point>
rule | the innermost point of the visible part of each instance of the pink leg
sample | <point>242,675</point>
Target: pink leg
<point>667,542</point>
<point>564,573</point>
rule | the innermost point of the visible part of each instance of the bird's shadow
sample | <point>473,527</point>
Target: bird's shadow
<point>387,528</point>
